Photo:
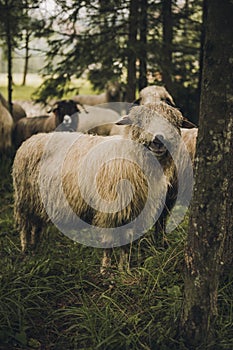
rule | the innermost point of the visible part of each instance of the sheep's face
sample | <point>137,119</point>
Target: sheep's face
<point>65,108</point>
<point>156,127</point>
<point>160,143</point>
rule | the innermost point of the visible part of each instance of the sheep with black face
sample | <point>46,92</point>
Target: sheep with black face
<point>63,118</point>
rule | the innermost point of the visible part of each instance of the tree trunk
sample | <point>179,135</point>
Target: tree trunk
<point>201,54</point>
<point>9,57</point>
<point>132,44</point>
<point>166,63</point>
<point>142,82</point>
<point>209,243</point>
<point>27,56</point>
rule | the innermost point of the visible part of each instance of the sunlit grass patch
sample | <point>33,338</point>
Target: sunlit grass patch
<point>34,81</point>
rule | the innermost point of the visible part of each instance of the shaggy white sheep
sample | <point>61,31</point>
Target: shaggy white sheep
<point>82,181</point>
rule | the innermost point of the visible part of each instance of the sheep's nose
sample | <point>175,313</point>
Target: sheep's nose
<point>159,137</point>
<point>67,119</point>
<point>157,145</point>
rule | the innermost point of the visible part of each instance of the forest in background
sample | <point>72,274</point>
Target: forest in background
<point>137,43</point>
<point>177,296</point>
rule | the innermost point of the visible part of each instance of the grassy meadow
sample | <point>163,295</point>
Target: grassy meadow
<point>58,300</point>
<point>33,81</point>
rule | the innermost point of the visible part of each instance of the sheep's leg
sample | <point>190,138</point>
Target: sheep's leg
<point>24,237</point>
<point>35,234</point>
<point>124,263</point>
<point>125,253</point>
<point>106,261</point>
<point>160,226</point>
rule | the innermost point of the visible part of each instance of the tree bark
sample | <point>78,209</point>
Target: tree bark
<point>201,53</point>
<point>209,243</point>
<point>132,55</point>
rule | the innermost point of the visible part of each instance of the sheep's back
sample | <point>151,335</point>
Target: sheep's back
<point>90,100</point>
<point>96,116</point>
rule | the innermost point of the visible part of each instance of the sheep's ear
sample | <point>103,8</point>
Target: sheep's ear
<point>124,121</point>
<point>170,102</point>
<point>136,102</point>
<point>78,107</point>
<point>187,124</point>
<point>81,105</point>
<point>53,108</point>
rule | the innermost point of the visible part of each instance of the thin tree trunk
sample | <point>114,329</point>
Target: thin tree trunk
<point>209,243</point>
<point>27,56</point>
<point>142,82</point>
<point>132,44</point>
<point>9,58</point>
<point>166,62</point>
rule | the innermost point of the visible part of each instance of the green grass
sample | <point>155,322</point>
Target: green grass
<point>33,81</point>
<point>58,300</point>
<point>19,92</point>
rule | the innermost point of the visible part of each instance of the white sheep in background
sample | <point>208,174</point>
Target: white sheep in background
<point>6,128</point>
<point>94,116</point>
<point>157,94</point>
<point>153,94</point>
<point>70,178</point>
